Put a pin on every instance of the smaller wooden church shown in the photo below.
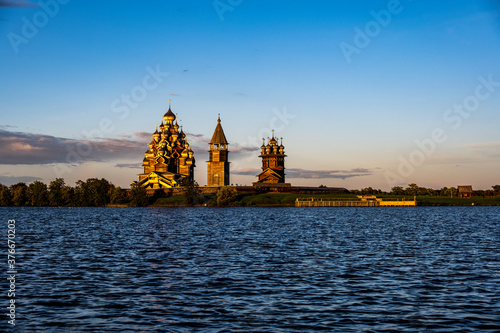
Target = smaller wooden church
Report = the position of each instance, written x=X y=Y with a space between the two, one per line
x=273 y=165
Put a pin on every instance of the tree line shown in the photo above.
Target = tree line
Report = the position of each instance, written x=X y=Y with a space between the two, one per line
x=93 y=192
x=96 y=192
x=415 y=190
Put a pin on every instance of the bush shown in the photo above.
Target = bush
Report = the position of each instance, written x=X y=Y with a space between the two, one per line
x=191 y=192
x=138 y=196
x=226 y=196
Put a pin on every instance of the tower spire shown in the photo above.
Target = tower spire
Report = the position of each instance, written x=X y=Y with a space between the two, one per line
x=219 y=137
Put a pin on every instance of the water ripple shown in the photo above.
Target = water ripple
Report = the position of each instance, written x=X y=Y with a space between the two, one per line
x=257 y=269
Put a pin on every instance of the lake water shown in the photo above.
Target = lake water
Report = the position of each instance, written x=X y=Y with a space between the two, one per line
x=255 y=269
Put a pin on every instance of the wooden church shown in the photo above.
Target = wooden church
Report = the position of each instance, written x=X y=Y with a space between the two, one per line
x=273 y=166
x=169 y=159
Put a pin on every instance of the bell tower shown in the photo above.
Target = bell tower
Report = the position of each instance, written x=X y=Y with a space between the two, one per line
x=218 y=163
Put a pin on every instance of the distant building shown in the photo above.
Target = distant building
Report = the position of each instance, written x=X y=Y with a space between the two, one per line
x=169 y=159
x=218 y=162
x=465 y=191
x=273 y=163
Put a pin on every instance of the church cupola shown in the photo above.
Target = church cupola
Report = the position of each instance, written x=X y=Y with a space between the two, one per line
x=156 y=134
x=169 y=117
x=282 y=148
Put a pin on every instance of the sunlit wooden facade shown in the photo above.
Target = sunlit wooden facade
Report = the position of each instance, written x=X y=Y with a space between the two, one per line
x=169 y=159
x=273 y=162
x=218 y=159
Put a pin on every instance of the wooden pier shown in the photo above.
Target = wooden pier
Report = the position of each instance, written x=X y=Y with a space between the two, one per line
x=361 y=201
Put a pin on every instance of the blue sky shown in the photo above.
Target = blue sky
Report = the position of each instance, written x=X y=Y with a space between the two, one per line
x=347 y=119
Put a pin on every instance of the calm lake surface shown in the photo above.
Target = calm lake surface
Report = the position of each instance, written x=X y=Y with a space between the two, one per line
x=255 y=269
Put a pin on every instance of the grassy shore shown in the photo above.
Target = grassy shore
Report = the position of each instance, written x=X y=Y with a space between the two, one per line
x=288 y=199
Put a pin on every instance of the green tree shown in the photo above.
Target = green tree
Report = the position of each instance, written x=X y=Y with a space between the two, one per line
x=116 y=195
x=138 y=196
x=442 y=192
x=93 y=192
x=19 y=194
x=191 y=191
x=496 y=188
x=69 y=198
x=56 y=192
x=226 y=196
x=422 y=191
x=412 y=189
x=38 y=194
x=367 y=190
x=479 y=193
x=398 y=190
x=5 y=196
x=430 y=191
x=489 y=193
x=451 y=192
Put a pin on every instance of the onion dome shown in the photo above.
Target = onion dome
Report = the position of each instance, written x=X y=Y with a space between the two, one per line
x=156 y=134
x=273 y=141
x=268 y=149
x=169 y=117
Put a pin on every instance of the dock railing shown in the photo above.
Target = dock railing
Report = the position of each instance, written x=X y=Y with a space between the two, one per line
x=340 y=202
